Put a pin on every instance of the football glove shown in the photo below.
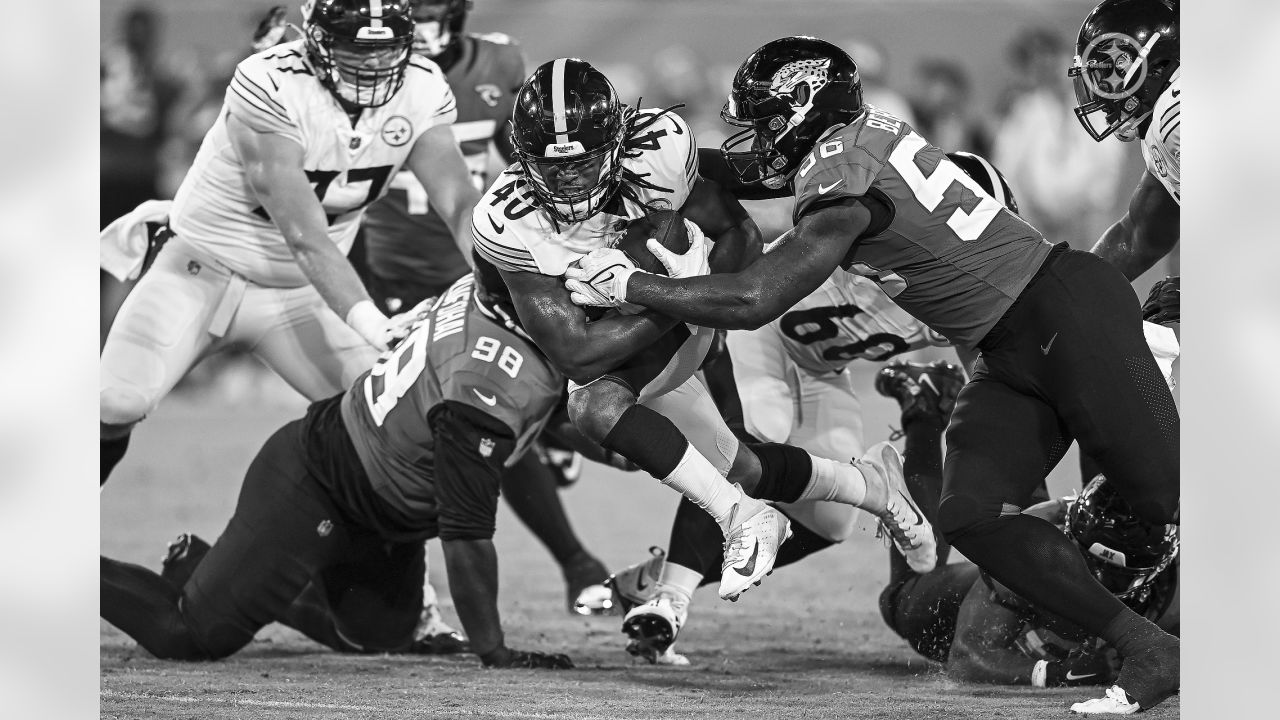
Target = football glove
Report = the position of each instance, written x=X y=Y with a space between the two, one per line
x=271 y=29
x=505 y=657
x=600 y=280
x=365 y=318
x=693 y=262
x=1164 y=304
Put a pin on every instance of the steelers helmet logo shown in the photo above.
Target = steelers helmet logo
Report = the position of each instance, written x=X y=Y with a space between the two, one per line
x=397 y=130
x=1113 y=66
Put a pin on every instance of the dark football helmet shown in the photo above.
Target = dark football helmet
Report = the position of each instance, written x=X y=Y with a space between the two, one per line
x=359 y=48
x=787 y=94
x=567 y=131
x=988 y=176
x=1126 y=55
x=438 y=25
x=1126 y=554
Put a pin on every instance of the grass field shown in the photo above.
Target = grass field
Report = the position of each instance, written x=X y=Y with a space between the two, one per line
x=807 y=643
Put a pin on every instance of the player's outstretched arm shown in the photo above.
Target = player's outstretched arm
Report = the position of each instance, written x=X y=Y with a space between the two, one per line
x=273 y=169
x=805 y=257
x=438 y=164
x=581 y=350
x=1146 y=233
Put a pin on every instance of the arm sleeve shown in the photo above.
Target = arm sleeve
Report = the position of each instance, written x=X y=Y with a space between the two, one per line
x=254 y=96
x=470 y=449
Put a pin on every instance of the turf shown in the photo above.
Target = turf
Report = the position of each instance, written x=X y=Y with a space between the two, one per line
x=807 y=643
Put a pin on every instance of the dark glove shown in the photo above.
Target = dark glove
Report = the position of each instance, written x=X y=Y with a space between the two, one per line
x=505 y=657
x=271 y=29
x=1163 y=305
x=1084 y=665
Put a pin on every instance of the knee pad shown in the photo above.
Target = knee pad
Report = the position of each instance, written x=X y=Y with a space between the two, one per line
x=122 y=406
x=959 y=514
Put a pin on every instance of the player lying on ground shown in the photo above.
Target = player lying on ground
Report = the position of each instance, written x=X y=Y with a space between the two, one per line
x=786 y=382
x=1059 y=331
x=588 y=166
x=327 y=535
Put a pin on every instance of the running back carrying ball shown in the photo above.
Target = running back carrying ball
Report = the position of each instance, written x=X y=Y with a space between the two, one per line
x=665 y=226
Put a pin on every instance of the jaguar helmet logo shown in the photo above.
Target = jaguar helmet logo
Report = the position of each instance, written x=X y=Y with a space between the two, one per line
x=798 y=82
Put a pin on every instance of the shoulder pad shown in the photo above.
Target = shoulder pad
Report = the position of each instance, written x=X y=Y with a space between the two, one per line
x=256 y=94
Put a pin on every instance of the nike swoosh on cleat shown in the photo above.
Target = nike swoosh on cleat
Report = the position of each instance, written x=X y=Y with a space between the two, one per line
x=750 y=567
x=1079 y=677
x=641 y=584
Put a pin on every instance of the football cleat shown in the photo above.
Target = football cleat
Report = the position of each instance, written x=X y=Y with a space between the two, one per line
x=181 y=558
x=921 y=389
x=637 y=584
x=898 y=515
x=585 y=578
x=653 y=626
x=756 y=531
x=1115 y=702
x=434 y=636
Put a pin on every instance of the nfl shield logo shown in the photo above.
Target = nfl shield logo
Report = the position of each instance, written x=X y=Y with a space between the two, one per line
x=486 y=447
x=355 y=143
x=324 y=528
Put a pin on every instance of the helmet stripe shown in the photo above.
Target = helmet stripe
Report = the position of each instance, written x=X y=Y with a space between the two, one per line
x=558 y=113
x=375 y=13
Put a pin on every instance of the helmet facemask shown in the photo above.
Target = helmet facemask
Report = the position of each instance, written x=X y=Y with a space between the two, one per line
x=573 y=184
x=1109 y=76
x=780 y=127
x=366 y=71
x=437 y=26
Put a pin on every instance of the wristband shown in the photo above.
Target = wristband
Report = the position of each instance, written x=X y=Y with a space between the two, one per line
x=365 y=318
x=1039 y=673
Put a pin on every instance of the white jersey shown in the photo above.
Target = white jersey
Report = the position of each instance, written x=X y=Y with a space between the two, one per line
x=276 y=91
x=849 y=318
x=1161 y=146
x=512 y=235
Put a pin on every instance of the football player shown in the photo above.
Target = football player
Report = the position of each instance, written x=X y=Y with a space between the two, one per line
x=327 y=536
x=786 y=382
x=1062 y=351
x=983 y=632
x=587 y=165
x=311 y=132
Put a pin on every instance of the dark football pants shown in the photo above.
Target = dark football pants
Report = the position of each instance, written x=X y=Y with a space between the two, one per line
x=1067 y=361
x=286 y=537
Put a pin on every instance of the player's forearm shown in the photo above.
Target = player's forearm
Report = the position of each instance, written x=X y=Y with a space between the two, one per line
x=1120 y=246
x=595 y=348
x=473 y=582
x=331 y=274
x=729 y=301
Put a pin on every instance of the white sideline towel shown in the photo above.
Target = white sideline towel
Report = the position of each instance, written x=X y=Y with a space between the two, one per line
x=123 y=243
x=1164 y=346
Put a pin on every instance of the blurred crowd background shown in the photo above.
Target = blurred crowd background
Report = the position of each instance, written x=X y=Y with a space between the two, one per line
x=987 y=76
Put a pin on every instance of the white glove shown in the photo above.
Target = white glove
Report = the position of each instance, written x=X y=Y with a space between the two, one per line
x=600 y=279
x=693 y=262
x=365 y=318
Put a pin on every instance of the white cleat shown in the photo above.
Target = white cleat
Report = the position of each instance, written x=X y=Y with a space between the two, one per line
x=1115 y=702
x=653 y=627
x=756 y=531
x=672 y=658
x=434 y=636
x=637 y=584
x=900 y=517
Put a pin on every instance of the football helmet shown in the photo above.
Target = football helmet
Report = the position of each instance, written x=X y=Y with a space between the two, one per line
x=1126 y=55
x=786 y=95
x=437 y=25
x=1126 y=554
x=988 y=176
x=567 y=131
x=359 y=48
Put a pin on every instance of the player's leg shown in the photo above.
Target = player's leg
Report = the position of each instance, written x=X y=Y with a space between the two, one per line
x=531 y=490
x=283 y=531
x=158 y=335
x=922 y=608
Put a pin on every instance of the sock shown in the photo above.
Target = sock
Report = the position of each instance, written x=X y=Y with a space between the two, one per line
x=837 y=481
x=531 y=491
x=922 y=466
x=679 y=579
x=785 y=471
x=647 y=439
x=109 y=454
x=1041 y=564
x=1130 y=633
x=697 y=542
x=697 y=479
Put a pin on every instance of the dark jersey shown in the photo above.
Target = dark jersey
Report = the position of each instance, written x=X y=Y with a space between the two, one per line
x=407 y=241
x=945 y=251
x=453 y=354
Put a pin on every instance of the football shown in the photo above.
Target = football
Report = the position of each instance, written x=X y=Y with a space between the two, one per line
x=666 y=227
